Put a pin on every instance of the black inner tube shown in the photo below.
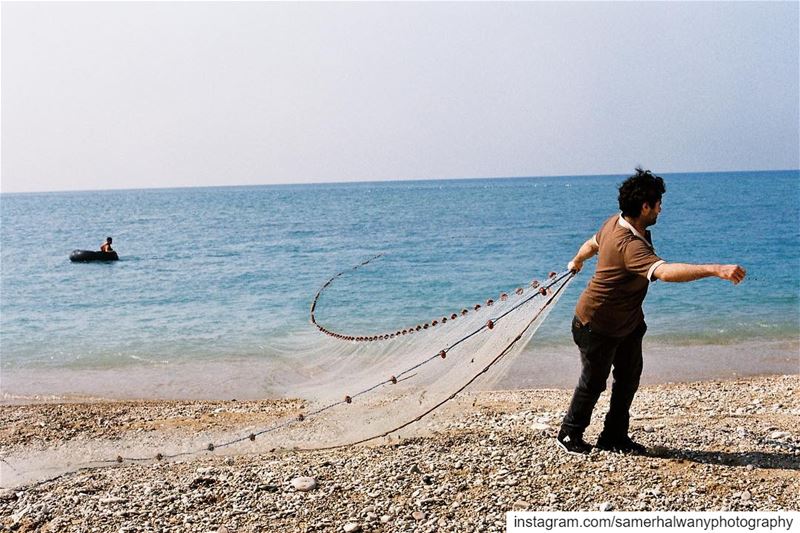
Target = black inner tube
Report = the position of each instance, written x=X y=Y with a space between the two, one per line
x=85 y=256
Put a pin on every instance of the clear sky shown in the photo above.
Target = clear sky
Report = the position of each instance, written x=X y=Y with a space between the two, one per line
x=128 y=95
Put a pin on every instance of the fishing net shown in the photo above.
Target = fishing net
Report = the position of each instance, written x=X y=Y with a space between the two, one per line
x=376 y=384
x=370 y=386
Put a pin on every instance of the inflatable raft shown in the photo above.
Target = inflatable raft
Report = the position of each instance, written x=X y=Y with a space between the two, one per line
x=85 y=256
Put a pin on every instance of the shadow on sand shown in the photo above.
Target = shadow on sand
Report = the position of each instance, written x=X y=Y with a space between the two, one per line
x=772 y=460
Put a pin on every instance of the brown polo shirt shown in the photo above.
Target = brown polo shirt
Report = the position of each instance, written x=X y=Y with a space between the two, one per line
x=612 y=301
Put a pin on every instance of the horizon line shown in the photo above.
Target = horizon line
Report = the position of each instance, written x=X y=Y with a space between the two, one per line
x=367 y=182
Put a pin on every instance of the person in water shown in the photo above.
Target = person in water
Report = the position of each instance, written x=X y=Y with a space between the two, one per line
x=106 y=246
x=609 y=323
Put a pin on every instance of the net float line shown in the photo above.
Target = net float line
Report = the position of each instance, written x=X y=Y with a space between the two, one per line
x=567 y=276
x=401 y=331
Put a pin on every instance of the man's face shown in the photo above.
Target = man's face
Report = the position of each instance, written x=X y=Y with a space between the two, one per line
x=650 y=214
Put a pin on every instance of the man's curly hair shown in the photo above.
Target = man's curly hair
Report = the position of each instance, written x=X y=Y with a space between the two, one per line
x=642 y=187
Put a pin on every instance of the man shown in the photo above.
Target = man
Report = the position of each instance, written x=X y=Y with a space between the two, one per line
x=609 y=323
x=106 y=246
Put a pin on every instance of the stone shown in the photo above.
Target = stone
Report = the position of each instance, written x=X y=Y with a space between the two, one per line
x=351 y=527
x=778 y=435
x=304 y=483
x=386 y=519
x=746 y=496
x=606 y=506
x=520 y=505
x=418 y=516
x=202 y=482
x=17 y=517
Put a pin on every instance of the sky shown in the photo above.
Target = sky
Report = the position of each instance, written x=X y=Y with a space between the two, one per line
x=106 y=95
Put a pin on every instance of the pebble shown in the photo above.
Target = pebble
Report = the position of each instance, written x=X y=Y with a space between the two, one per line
x=304 y=484
x=606 y=506
x=17 y=517
x=418 y=516
x=351 y=527
x=520 y=505
x=777 y=435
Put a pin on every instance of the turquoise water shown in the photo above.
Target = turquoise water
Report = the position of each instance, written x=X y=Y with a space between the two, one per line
x=215 y=274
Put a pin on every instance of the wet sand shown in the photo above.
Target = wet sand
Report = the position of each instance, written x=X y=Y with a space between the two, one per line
x=537 y=367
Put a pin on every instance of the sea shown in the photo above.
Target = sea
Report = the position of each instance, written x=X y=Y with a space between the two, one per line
x=213 y=284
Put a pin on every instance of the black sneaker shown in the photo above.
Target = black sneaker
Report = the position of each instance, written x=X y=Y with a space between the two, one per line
x=621 y=445
x=573 y=443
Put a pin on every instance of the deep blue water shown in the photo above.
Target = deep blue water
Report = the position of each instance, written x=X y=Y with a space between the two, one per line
x=223 y=273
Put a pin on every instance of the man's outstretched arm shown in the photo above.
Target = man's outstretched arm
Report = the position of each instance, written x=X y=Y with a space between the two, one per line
x=681 y=272
x=587 y=250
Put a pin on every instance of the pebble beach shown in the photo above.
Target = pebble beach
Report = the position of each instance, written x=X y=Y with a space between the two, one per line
x=712 y=446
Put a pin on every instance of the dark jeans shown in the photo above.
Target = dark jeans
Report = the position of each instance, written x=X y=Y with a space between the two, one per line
x=598 y=354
